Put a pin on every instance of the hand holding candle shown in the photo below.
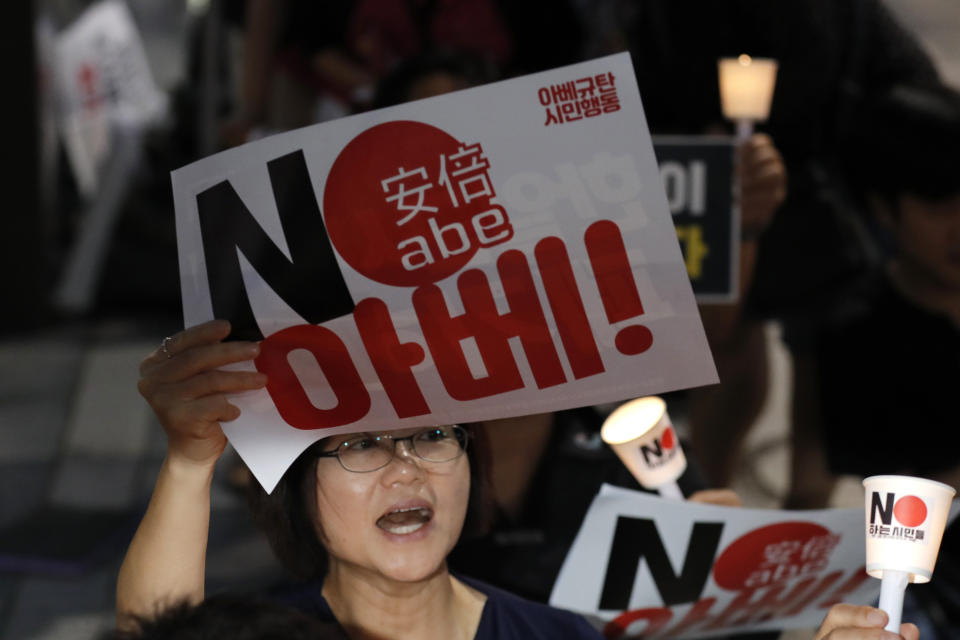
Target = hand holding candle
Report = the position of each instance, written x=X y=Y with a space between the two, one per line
x=746 y=90
x=641 y=434
x=905 y=519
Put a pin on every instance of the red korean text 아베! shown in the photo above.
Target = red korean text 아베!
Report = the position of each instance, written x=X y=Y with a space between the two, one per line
x=445 y=330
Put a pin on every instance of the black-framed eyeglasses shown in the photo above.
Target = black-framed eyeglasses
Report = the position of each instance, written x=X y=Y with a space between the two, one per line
x=367 y=452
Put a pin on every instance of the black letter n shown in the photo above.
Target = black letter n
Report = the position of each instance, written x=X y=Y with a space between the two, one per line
x=886 y=511
x=648 y=451
x=310 y=282
x=637 y=539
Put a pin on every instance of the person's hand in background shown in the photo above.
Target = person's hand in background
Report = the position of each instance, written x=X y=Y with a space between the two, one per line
x=851 y=622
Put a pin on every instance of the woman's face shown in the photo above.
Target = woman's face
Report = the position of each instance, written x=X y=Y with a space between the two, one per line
x=399 y=521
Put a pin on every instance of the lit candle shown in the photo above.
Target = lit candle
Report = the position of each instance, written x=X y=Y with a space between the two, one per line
x=641 y=434
x=746 y=90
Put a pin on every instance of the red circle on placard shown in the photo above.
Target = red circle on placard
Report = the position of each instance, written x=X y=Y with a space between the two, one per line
x=370 y=231
x=668 y=439
x=910 y=511
x=745 y=557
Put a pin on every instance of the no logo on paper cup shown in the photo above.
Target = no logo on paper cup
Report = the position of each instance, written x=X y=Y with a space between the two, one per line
x=905 y=519
x=641 y=434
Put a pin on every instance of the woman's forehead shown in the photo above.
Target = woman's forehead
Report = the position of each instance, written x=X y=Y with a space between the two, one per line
x=395 y=433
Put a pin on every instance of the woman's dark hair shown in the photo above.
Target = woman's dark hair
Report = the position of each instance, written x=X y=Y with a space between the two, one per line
x=226 y=617
x=906 y=141
x=287 y=515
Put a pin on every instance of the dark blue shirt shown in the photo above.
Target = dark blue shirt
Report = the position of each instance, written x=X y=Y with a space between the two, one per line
x=505 y=616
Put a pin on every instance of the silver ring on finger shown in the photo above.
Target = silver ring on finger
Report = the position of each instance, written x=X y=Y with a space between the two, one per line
x=164 y=348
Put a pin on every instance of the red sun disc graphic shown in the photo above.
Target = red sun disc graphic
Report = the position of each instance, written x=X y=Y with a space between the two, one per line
x=407 y=204
x=668 y=440
x=910 y=511
x=746 y=562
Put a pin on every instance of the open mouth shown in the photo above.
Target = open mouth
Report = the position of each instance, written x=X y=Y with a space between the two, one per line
x=405 y=521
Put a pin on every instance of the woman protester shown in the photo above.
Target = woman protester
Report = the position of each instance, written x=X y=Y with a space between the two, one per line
x=370 y=517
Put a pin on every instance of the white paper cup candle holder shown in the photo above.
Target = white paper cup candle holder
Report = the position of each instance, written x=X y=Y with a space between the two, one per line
x=641 y=434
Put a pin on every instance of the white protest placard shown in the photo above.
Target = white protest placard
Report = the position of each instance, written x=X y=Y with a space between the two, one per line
x=499 y=251
x=102 y=78
x=642 y=566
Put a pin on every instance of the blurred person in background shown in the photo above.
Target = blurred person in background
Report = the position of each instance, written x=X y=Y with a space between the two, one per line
x=889 y=363
x=331 y=55
x=807 y=250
